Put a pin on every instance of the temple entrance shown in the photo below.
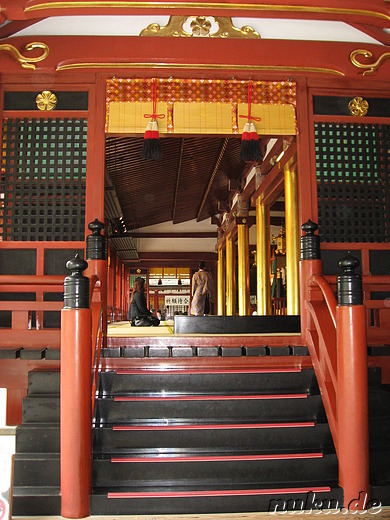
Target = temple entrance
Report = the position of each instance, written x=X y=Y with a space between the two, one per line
x=173 y=210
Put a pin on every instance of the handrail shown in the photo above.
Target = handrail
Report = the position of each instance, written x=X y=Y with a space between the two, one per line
x=20 y=331
x=328 y=294
x=336 y=336
x=97 y=332
x=31 y=279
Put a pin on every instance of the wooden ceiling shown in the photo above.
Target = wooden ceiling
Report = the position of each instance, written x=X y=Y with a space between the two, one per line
x=186 y=184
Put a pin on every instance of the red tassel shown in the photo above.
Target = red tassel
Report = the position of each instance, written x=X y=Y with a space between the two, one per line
x=151 y=148
x=250 y=146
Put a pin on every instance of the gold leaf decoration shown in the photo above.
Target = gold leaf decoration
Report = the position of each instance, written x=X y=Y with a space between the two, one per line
x=25 y=61
x=369 y=68
x=46 y=100
x=200 y=26
x=358 y=106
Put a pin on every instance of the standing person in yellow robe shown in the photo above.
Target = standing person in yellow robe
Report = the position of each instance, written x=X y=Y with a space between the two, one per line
x=201 y=290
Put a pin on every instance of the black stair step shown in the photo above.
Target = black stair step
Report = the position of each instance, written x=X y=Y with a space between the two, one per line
x=374 y=378
x=36 y=501
x=32 y=469
x=379 y=496
x=299 y=407
x=379 y=433
x=38 y=438
x=379 y=405
x=202 y=381
x=380 y=466
x=198 y=500
x=43 y=382
x=38 y=409
x=260 y=436
x=251 y=470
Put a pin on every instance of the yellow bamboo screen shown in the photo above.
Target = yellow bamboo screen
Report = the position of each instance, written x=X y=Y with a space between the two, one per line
x=128 y=117
x=202 y=118
x=274 y=119
x=199 y=105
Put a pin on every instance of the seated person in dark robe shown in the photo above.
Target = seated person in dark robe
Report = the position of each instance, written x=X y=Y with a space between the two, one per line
x=139 y=315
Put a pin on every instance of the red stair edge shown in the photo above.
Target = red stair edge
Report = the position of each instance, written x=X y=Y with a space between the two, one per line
x=216 y=493
x=253 y=426
x=218 y=458
x=135 y=371
x=212 y=397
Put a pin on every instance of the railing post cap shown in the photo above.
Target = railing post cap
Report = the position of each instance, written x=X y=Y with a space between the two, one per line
x=76 y=286
x=96 y=226
x=349 y=284
x=96 y=242
x=310 y=243
x=349 y=263
x=76 y=265
x=309 y=227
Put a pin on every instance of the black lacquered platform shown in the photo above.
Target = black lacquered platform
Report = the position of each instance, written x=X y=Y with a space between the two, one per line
x=236 y=324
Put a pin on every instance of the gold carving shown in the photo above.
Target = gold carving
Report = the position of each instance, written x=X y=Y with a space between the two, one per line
x=358 y=106
x=46 y=100
x=192 y=66
x=26 y=62
x=369 y=68
x=200 y=26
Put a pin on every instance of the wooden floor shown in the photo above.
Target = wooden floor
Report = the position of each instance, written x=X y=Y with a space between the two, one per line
x=384 y=514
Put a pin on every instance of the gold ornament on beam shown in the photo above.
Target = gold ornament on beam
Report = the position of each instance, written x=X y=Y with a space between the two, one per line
x=46 y=100
x=25 y=61
x=358 y=107
x=369 y=68
x=200 y=27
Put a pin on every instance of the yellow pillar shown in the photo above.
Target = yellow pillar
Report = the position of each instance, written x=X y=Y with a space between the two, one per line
x=230 y=277
x=263 y=259
x=292 y=240
x=243 y=269
x=221 y=291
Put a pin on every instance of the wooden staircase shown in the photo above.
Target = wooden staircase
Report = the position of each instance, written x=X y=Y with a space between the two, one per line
x=201 y=435
x=209 y=441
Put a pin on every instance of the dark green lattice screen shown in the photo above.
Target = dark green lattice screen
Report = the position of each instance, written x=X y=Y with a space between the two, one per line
x=352 y=163
x=43 y=174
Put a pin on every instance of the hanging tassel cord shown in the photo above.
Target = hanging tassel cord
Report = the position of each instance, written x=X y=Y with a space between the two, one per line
x=250 y=147
x=249 y=117
x=154 y=116
x=151 y=148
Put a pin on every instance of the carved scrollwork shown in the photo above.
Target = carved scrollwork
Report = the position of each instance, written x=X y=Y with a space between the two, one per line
x=200 y=26
x=369 y=68
x=26 y=61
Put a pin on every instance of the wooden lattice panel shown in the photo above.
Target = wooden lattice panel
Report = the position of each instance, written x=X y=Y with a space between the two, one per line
x=43 y=179
x=353 y=182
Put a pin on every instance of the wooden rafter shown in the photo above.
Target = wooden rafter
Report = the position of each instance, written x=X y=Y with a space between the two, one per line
x=177 y=181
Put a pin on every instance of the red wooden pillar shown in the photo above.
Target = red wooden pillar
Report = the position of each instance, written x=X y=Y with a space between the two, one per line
x=75 y=394
x=352 y=388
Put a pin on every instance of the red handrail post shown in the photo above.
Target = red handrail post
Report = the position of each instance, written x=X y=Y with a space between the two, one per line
x=96 y=252
x=352 y=388
x=309 y=265
x=75 y=394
